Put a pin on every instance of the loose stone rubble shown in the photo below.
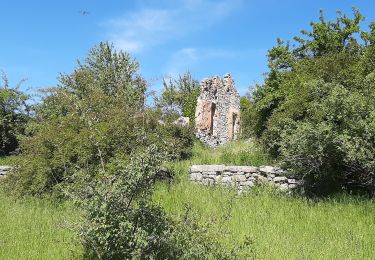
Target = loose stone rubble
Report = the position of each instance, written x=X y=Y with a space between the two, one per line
x=243 y=177
x=182 y=121
x=217 y=115
x=4 y=170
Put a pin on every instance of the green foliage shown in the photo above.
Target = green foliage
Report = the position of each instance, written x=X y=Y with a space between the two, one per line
x=98 y=113
x=190 y=104
x=122 y=223
x=13 y=116
x=118 y=222
x=315 y=109
x=180 y=96
x=248 y=115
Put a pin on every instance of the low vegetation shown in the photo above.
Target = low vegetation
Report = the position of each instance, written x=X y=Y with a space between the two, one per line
x=36 y=229
x=102 y=174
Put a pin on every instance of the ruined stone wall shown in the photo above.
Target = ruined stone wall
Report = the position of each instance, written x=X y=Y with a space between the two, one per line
x=217 y=115
x=242 y=177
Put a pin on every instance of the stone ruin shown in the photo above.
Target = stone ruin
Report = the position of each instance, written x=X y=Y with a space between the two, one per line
x=217 y=116
x=243 y=177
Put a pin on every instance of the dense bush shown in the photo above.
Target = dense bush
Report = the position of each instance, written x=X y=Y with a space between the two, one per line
x=120 y=221
x=315 y=110
x=13 y=116
x=97 y=113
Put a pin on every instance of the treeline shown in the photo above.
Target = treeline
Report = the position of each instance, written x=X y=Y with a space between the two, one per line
x=316 y=110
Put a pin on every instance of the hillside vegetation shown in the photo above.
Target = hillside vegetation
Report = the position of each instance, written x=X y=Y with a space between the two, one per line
x=262 y=224
x=102 y=172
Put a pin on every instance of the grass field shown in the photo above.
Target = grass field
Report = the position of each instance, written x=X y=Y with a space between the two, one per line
x=275 y=226
x=31 y=229
x=8 y=160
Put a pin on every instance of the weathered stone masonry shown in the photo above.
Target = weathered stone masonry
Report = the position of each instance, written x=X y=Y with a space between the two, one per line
x=217 y=115
x=243 y=177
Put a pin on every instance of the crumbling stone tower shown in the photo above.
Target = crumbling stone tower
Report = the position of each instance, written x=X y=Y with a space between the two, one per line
x=217 y=116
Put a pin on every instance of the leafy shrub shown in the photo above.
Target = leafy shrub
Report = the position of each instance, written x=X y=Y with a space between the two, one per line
x=13 y=116
x=121 y=223
x=315 y=110
x=180 y=96
x=97 y=114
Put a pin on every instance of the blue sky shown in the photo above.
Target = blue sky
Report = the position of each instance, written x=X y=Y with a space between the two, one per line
x=40 y=39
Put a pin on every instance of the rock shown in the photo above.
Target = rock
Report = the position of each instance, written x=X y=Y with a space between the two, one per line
x=280 y=179
x=267 y=169
x=284 y=187
x=182 y=121
x=246 y=169
x=196 y=176
x=239 y=178
x=5 y=168
x=207 y=168
x=226 y=179
x=242 y=177
x=271 y=175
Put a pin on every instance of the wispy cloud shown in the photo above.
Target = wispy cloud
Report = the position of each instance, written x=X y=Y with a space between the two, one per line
x=190 y=58
x=147 y=26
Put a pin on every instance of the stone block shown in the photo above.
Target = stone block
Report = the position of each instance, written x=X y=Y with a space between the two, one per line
x=4 y=168
x=284 y=187
x=239 y=178
x=246 y=169
x=267 y=169
x=207 y=168
x=226 y=179
x=280 y=179
x=196 y=176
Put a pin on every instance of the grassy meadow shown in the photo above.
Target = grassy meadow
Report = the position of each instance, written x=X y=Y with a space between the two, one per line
x=34 y=229
x=274 y=226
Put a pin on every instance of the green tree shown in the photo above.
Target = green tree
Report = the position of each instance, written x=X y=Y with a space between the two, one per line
x=315 y=108
x=180 y=96
x=14 y=114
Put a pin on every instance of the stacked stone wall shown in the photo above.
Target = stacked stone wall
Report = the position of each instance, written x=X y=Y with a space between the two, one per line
x=242 y=177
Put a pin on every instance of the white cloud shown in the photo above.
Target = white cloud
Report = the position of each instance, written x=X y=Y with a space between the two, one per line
x=192 y=59
x=147 y=26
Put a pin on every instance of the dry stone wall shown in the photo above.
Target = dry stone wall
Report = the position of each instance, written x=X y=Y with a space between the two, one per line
x=217 y=115
x=242 y=177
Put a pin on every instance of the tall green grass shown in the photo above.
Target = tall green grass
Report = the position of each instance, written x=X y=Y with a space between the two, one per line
x=234 y=153
x=274 y=225
x=33 y=229
x=9 y=160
